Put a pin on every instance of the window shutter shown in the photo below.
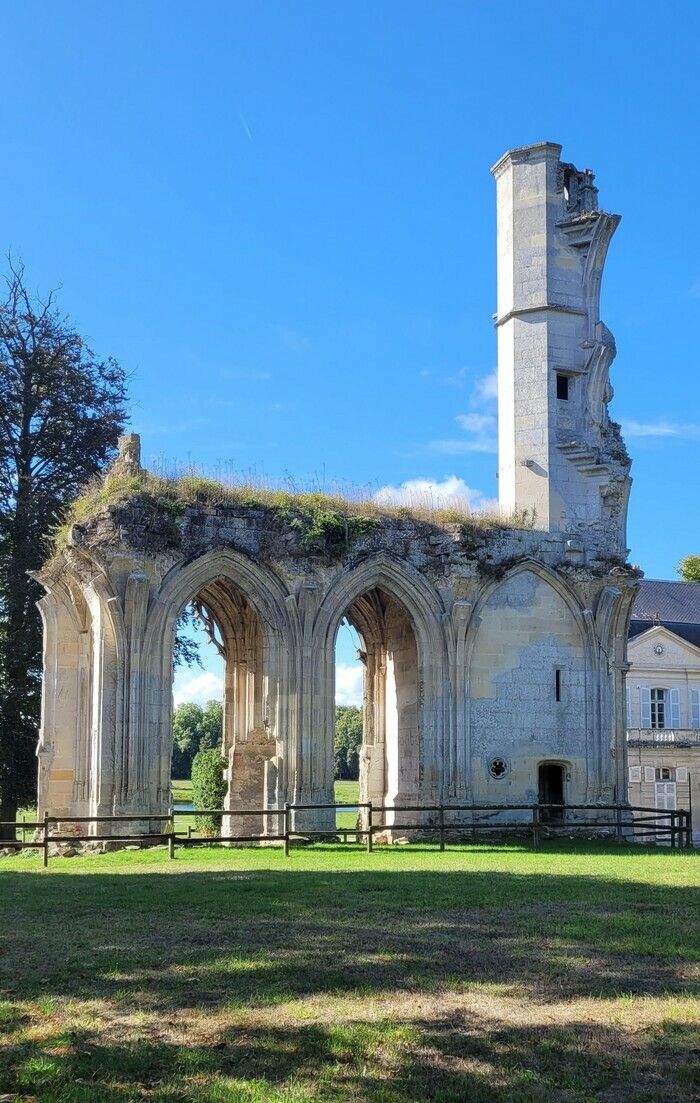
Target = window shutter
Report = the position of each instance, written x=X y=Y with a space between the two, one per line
x=675 y=695
x=644 y=707
x=695 y=708
x=682 y=774
x=666 y=795
x=635 y=774
x=628 y=694
x=649 y=773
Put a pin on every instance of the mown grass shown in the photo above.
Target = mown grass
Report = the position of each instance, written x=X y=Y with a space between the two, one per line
x=487 y=973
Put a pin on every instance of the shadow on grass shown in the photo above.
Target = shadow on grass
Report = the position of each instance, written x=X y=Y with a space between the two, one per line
x=440 y=1060
x=181 y=938
x=230 y=946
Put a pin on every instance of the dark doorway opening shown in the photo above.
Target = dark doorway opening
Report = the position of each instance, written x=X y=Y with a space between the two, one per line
x=551 y=791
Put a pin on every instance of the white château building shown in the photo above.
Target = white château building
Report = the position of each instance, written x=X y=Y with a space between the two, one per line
x=663 y=698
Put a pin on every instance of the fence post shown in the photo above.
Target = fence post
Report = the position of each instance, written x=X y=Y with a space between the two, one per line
x=286 y=829
x=369 y=827
x=171 y=839
x=24 y=830
x=535 y=826
x=46 y=839
x=618 y=823
x=442 y=827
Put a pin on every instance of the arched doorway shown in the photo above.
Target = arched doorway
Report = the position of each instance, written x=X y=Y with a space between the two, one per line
x=245 y=605
x=234 y=629
x=551 y=791
x=390 y=756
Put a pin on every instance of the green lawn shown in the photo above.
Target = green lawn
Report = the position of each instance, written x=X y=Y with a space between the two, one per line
x=182 y=790
x=486 y=974
x=346 y=792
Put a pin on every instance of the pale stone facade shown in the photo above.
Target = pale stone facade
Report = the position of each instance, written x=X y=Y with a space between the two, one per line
x=494 y=657
x=663 y=699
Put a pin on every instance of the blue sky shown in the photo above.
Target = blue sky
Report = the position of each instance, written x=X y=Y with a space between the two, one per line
x=280 y=219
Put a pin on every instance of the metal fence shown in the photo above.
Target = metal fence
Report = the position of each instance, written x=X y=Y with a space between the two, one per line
x=468 y=821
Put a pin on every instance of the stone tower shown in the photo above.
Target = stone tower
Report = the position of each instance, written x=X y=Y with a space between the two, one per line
x=561 y=460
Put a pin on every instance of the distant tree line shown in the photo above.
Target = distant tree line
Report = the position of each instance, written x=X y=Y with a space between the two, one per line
x=348 y=741
x=201 y=729
x=195 y=729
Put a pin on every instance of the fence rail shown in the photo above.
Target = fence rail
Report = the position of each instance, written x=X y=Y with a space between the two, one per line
x=544 y=820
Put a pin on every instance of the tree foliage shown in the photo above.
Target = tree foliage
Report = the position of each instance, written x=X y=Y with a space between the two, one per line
x=689 y=568
x=186 y=651
x=348 y=741
x=208 y=787
x=194 y=729
x=61 y=410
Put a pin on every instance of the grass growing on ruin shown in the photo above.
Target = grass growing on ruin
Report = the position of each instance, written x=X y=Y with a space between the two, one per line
x=483 y=974
x=325 y=520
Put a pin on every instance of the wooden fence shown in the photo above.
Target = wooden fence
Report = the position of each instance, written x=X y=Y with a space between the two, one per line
x=672 y=827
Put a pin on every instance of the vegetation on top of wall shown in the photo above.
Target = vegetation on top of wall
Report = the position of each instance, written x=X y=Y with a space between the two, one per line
x=327 y=524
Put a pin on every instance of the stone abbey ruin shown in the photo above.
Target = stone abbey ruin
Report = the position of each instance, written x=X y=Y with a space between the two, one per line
x=494 y=650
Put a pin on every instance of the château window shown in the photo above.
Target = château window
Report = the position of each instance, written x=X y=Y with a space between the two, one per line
x=557 y=684
x=658 y=708
x=563 y=387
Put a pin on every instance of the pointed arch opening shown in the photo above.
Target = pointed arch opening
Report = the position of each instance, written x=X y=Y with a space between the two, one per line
x=242 y=608
x=390 y=752
x=399 y=618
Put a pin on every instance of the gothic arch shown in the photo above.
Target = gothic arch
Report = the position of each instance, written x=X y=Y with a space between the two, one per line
x=481 y=717
x=276 y=676
x=425 y=612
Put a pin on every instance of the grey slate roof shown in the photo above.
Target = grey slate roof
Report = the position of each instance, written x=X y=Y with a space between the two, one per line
x=676 y=605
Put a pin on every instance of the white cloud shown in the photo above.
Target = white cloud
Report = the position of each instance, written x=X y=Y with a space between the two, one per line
x=348 y=684
x=475 y=423
x=479 y=425
x=198 y=689
x=660 y=429
x=487 y=387
x=452 y=492
x=458 y=447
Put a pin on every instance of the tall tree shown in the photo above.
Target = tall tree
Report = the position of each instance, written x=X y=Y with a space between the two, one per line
x=61 y=410
x=689 y=568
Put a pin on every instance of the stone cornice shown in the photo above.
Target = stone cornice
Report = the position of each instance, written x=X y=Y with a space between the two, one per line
x=540 y=309
x=538 y=151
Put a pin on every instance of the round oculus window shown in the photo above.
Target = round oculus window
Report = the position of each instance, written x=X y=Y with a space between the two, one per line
x=659 y=649
x=498 y=768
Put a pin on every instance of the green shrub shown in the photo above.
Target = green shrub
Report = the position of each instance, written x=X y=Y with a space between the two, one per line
x=208 y=787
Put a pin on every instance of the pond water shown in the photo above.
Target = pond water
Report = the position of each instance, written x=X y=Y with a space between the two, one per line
x=183 y=806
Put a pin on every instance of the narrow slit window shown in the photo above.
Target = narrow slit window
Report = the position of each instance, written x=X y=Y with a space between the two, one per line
x=563 y=387
x=557 y=684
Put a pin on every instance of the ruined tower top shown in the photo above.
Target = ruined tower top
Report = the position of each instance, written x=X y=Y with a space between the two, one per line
x=561 y=460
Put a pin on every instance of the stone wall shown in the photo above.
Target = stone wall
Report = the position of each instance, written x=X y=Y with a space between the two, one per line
x=462 y=638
